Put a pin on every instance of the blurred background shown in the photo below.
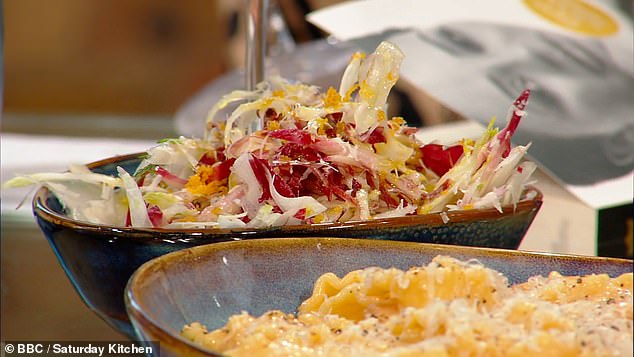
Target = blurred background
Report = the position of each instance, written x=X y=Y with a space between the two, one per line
x=120 y=69
x=141 y=57
x=142 y=60
x=86 y=67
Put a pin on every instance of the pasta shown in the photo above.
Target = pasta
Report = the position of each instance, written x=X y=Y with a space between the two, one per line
x=446 y=308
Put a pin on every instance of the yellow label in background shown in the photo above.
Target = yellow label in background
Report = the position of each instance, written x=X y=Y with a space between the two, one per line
x=575 y=15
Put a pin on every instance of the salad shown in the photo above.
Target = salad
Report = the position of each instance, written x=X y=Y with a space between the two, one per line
x=290 y=154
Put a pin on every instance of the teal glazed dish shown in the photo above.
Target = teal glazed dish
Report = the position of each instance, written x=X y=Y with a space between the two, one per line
x=212 y=282
x=99 y=259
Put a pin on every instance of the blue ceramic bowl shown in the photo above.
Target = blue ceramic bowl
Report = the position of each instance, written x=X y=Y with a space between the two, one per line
x=100 y=259
x=212 y=282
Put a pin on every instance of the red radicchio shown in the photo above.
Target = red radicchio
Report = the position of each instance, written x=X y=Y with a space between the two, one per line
x=260 y=169
x=297 y=136
x=170 y=177
x=156 y=215
x=517 y=111
x=300 y=152
x=376 y=136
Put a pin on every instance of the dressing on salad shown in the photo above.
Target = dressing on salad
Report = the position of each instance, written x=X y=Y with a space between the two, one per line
x=289 y=154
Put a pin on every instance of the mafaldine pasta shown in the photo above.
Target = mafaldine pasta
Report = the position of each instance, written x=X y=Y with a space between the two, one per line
x=446 y=308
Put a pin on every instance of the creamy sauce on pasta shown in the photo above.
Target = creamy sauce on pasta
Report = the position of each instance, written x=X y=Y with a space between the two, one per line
x=447 y=308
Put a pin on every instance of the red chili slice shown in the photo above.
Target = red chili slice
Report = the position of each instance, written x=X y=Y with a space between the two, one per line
x=440 y=159
x=300 y=214
x=211 y=157
x=221 y=170
x=207 y=159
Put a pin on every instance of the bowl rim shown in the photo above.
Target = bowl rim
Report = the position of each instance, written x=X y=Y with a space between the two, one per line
x=42 y=210
x=137 y=313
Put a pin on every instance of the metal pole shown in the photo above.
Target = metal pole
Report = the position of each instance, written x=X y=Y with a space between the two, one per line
x=256 y=25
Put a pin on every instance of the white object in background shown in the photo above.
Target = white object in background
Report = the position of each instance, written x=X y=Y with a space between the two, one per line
x=475 y=56
x=355 y=19
x=26 y=154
